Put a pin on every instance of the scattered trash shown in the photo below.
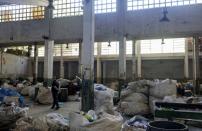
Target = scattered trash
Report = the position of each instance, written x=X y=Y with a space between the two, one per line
x=91 y=116
x=102 y=121
x=8 y=96
x=10 y=114
x=50 y=122
x=137 y=123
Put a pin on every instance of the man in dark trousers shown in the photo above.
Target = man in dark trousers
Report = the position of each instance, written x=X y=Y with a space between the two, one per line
x=55 y=92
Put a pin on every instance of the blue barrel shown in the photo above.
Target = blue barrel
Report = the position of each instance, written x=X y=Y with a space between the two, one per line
x=166 y=126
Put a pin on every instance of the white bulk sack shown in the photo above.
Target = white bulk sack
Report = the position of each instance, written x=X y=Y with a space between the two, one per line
x=141 y=86
x=163 y=88
x=25 y=90
x=133 y=104
x=133 y=108
x=103 y=99
x=44 y=96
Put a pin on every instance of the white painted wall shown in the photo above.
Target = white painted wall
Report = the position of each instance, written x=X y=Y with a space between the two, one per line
x=13 y=66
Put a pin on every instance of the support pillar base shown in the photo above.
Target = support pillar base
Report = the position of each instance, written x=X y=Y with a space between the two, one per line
x=87 y=95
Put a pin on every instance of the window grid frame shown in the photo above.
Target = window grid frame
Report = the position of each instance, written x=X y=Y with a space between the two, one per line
x=178 y=46
x=63 y=8
x=105 y=6
x=10 y=13
x=148 y=4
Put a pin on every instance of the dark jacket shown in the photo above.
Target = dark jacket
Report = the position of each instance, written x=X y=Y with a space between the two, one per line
x=55 y=87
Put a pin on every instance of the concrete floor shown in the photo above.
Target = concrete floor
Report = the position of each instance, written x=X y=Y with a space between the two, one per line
x=39 y=110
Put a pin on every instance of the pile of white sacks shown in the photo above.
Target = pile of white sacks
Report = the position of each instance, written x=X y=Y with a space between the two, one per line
x=139 y=96
x=44 y=95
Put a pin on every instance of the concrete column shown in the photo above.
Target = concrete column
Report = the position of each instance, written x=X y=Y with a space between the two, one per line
x=139 y=60
x=134 y=66
x=104 y=72
x=121 y=11
x=35 y=70
x=61 y=62
x=48 y=62
x=79 y=67
x=99 y=72
x=87 y=56
x=196 y=66
x=122 y=64
x=122 y=59
x=186 y=60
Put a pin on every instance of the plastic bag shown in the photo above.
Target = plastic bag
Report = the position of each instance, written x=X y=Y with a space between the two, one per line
x=103 y=99
x=163 y=88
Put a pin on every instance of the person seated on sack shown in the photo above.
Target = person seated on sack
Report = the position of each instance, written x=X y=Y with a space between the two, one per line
x=55 y=93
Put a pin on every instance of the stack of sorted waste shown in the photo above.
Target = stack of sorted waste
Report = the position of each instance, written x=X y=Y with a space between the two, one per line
x=134 y=99
x=63 y=82
x=95 y=122
x=10 y=114
x=22 y=85
x=49 y=122
x=25 y=90
x=6 y=85
x=160 y=89
x=9 y=96
x=139 y=97
x=72 y=86
x=103 y=99
x=39 y=93
x=137 y=123
x=44 y=96
x=32 y=90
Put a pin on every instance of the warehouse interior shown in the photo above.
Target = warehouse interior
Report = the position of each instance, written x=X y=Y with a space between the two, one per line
x=121 y=65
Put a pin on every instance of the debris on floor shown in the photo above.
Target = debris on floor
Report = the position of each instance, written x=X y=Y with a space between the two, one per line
x=137 y=123
x=8 y=96
x=10 y=114
x=49 y=122
x=92 y=122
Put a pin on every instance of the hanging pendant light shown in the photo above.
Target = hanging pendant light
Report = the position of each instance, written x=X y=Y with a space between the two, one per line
x=109 y=43
x=162 y=41
x=67 y=45
x=164 y=18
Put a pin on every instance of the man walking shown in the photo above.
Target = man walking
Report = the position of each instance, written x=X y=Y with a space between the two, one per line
x=55 y=92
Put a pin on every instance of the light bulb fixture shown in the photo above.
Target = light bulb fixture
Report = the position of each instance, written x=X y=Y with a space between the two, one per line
x=109 y=43
x=162 y=41
x=165 y=18
x=67 y=45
